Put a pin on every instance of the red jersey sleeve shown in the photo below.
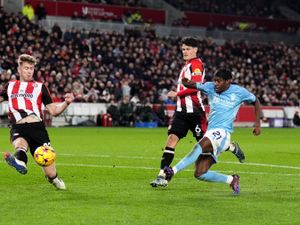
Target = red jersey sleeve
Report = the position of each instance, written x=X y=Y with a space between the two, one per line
x=197 y=71
x=197 y=75
x=186 y=92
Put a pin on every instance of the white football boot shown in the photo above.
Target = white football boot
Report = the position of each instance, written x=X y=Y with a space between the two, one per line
x=58 y=183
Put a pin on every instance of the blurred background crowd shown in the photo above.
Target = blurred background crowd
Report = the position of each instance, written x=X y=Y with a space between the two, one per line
x=132 y=71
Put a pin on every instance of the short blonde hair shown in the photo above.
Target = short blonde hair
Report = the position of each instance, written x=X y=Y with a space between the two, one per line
x=26 y=58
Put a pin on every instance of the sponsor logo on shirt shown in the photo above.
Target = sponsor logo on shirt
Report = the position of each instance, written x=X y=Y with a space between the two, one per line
x=20 y=95
x=222 y=101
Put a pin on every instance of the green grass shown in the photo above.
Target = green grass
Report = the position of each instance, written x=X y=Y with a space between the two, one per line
x=108 y=171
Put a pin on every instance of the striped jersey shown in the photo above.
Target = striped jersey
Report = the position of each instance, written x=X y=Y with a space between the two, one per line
x=25 y=98
x=189 y=100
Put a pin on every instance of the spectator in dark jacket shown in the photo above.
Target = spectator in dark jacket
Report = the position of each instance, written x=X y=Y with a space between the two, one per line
x=41 y=12
x=114 y=112
x=296 y=119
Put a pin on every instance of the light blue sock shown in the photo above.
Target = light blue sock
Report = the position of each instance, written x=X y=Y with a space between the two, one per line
x=188 y=159
x=211 y=176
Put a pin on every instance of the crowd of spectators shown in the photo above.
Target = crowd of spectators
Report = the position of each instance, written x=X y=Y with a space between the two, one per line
x=112 y=68
x=183 y=22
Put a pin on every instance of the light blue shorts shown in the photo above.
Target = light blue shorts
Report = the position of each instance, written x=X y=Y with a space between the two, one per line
x=220 y=140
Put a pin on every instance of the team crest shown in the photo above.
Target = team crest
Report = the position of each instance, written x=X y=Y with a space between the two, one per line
x=197 y=71
x=232 y=97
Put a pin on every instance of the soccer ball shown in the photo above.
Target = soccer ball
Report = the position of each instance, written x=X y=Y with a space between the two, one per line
x=44 y=155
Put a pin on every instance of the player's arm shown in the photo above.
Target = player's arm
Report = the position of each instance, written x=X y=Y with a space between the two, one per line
x=256 y=129
x=186 y=92
x=206 y=88
x=56 y=108
x=181 y=93
x=189 y=83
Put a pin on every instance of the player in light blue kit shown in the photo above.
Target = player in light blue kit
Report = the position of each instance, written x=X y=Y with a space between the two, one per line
x=224 y=100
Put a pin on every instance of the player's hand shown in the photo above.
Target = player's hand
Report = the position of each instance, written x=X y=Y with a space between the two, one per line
x=172 y=94
x=256 y=131
x=69 y=98
x=188 y=83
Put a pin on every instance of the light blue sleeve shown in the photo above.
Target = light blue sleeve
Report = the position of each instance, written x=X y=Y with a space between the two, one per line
x=247 y=96
x=206 y=88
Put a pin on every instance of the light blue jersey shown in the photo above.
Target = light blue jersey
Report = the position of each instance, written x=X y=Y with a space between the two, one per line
x=224 y=106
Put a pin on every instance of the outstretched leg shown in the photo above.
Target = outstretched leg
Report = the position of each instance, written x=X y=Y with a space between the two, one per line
x=51 y=175
x=188 y=159
x=237 y=151
x=203 y=164
x=19 y=159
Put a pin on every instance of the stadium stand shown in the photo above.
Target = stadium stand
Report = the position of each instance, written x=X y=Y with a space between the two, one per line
x=136 y=3
x=103 y=67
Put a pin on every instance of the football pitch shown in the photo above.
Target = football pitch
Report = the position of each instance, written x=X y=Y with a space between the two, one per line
x=108 y=170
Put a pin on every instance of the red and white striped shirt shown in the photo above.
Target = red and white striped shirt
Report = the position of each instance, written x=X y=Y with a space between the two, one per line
x=25 y=98
x=189 y=100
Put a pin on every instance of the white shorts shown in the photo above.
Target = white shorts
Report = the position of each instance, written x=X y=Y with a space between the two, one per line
x=220 y=140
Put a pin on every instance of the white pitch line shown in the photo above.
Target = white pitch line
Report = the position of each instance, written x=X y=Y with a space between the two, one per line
x=155 y=158
x=107 y=156
x=265 y=165
x=153 y=168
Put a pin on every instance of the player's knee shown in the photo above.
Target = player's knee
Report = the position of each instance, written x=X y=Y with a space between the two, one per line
x=174 y=137
x=198 y=174
x=172 y=140
x=202 y=177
